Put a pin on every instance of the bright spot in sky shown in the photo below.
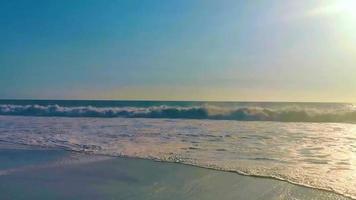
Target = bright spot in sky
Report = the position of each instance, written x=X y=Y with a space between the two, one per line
x=341 y=14
x=346 y=8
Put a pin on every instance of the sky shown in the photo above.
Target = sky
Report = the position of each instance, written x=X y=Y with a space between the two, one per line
x=238 y=50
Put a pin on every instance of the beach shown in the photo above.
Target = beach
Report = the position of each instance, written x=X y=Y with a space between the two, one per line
x=38 y=173
x=177 y=150
x=177 y=100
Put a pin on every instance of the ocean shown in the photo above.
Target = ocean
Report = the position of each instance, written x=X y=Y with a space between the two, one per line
x=309 y=144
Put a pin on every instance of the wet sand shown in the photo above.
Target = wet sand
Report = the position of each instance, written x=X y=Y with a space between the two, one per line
x=33 y=173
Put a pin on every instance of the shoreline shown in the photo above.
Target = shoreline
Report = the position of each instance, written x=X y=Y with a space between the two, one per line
x=61 y=167
x=238 y=173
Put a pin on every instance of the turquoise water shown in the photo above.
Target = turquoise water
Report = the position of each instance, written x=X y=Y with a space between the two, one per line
x=241 y=111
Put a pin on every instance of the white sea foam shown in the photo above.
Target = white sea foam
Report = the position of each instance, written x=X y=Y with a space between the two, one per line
x=342 y=113
x=321 y=155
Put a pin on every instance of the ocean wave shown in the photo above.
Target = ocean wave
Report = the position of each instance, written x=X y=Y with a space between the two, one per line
x=317 y=155
x=289 y=114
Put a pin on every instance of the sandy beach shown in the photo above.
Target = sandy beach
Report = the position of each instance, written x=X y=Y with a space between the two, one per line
x=35 y=173
x=177 y=100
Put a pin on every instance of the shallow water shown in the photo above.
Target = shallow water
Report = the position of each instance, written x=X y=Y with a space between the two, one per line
x=69 y=176
x=321 y=155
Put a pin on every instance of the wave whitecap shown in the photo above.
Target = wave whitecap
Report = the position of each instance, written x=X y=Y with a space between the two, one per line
x=292 y=114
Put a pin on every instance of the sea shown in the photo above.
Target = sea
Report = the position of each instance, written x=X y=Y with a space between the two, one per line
x=309 y=144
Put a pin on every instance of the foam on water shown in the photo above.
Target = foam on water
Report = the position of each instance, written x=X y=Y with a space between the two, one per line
x=345 y=113
x=320 y=155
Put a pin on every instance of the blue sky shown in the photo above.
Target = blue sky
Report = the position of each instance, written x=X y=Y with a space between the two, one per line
x=263 y=50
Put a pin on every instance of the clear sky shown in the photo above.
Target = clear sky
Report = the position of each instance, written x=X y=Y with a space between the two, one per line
x=262 y=50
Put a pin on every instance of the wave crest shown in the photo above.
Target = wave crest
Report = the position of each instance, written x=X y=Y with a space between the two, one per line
x=194 y=112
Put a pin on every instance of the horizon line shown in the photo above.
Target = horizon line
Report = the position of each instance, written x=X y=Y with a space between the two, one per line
x=162 y=100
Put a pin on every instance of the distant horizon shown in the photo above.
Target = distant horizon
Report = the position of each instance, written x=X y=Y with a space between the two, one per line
x=158 y=100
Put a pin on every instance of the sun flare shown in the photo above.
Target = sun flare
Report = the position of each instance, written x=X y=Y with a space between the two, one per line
x=344 y=8
x=347 y=7
x=340 y=15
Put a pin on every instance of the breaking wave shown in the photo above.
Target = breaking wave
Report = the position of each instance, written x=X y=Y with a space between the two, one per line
x=287 y=114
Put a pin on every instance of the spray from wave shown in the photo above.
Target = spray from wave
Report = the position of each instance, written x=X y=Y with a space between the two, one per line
x=286 y=114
